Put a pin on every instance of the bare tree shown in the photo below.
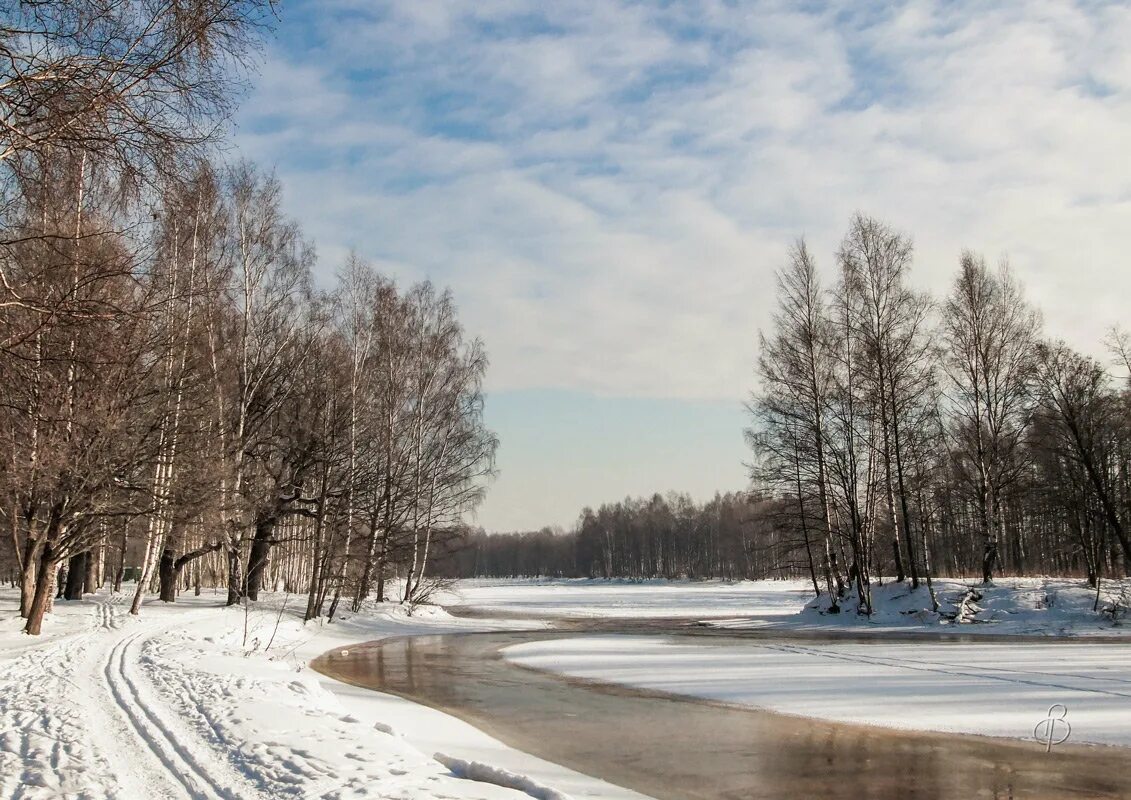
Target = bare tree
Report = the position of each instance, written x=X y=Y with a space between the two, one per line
x=1092 y=428
x=990 y=334
x=796 y=371
x=128 y=81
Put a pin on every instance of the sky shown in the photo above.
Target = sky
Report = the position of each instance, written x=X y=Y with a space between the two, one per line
x=607 y=187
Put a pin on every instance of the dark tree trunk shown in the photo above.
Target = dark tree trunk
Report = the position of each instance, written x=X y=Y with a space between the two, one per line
x=260 y=554
x=901 y=486
x=120 y=572
x=900 y=575
x=381 y=565
x=313 y=597
x=167 y=575
x=809 y=546
x=314 y=590
x=44 y=578
x=381 y=580
x=28 y=573
x=170 y=568
x=76 y=576
x=989 y=560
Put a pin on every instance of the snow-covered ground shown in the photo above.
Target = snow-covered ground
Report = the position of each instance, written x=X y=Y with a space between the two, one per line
x=182 y=702
x=1001 y=689
x=1012 y=606
x=584 y=598
x=175 y=704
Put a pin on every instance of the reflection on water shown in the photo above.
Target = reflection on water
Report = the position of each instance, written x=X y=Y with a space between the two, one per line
x=672 y=748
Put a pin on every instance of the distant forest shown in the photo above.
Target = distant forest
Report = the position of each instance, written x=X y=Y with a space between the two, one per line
x=892 y=434
x=668 y=537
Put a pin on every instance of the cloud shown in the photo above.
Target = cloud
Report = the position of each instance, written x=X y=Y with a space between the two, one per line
x=607 y=186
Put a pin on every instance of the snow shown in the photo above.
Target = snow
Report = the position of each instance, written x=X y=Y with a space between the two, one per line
x=1011 y=606
x=990 y=689
x=194 y=700
x=473 y=770
x=589 y=598
x=993 y=689
x=174 y=704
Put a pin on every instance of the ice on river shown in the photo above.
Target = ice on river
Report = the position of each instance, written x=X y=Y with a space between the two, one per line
x=999 y=689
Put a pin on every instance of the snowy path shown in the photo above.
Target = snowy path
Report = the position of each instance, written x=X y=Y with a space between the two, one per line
x=83 y=719
x=50 y=703
x=172 y=761
x=190 y=701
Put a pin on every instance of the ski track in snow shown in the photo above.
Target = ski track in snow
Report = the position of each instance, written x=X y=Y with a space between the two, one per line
x=198 y=776
x=44 y=747
x=137 y=773
x=178 y=704
x=89 y=681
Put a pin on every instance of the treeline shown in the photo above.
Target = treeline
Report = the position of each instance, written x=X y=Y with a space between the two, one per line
x=912 y=436
x=732 y=536
x=176 y=394
x=894 y=435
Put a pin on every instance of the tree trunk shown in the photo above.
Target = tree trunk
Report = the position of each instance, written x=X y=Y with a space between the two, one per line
x=44 y=587
x=167 y=575
x=381 y=568
x=76 y=576
x=334 y=604
x=154 y=533
x=808 y=544
x=120 y=571
x=92 y=578
x=28 y=573
x=260 y=554
x=235 y=577
x=901 y=486
x=897 y=556
x=367 y=568
x=989 y=555
x=170 y=569
x=314 y=594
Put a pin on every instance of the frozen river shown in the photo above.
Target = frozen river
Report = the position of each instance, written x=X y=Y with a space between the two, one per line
x=672 y=747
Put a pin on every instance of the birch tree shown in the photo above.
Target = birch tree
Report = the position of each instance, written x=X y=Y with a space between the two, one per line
x=795 y=367
x=990 y=334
